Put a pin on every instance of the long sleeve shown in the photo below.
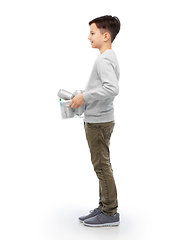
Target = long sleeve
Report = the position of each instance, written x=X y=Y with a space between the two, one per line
x=109 y=82
x=101 y=88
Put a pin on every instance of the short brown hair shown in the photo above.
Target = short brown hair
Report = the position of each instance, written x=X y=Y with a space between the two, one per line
x=107 y=23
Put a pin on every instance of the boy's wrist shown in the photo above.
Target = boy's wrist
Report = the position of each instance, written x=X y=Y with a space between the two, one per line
x=85 y=96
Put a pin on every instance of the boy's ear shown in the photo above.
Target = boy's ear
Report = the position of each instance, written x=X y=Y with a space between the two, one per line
x=106 y=36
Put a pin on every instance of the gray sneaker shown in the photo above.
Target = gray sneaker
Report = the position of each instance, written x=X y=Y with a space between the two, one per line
x=93 y=213
x=102 y=220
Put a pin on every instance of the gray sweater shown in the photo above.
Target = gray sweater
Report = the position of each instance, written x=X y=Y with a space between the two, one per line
x=102 y=88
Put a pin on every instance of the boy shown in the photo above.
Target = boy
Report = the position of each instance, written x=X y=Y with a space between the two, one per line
x=98 y=97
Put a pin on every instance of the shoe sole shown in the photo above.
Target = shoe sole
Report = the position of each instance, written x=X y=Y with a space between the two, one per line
x=102 y=225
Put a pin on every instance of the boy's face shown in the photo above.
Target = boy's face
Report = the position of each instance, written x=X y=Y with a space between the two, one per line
x=96 y=37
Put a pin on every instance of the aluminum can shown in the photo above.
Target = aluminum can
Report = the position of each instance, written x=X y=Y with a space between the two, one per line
x=78 y=92
x=79 y=111
x=65 y=94
x=66 y=111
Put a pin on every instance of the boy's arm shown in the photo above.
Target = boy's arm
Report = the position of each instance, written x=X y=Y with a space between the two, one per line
x=109 y=88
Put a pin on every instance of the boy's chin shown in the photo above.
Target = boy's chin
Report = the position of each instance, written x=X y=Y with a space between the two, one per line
x=93 y=46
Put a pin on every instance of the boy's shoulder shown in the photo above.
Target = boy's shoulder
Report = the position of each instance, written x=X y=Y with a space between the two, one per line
x=108 y=56
x=106 y=60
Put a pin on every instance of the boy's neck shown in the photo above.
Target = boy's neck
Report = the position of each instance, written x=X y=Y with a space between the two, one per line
x=102 y=50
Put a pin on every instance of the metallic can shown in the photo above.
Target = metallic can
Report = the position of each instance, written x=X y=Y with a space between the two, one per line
x=79 y=111
x=65 y=94
x=66 y=111
x=78 y=92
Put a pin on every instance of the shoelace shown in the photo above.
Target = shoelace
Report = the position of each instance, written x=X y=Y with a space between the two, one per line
x=93 y=210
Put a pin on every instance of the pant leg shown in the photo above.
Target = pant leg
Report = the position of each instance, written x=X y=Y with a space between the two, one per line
x=98 y=138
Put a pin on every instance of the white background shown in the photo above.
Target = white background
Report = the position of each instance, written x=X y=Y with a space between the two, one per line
x=46 y=177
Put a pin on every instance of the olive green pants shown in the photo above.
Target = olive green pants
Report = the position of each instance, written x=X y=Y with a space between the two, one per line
x=98 y=138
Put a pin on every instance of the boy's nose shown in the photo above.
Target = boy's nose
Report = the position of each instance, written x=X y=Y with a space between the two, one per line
x=89 y=37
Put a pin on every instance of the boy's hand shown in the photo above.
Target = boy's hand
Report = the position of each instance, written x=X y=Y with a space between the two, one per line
x=77 y=101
